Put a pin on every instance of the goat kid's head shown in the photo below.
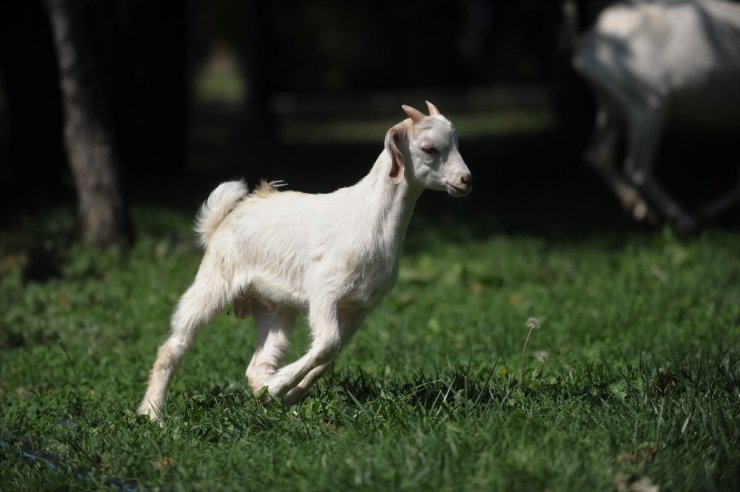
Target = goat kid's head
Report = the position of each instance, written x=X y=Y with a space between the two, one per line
x=424 y=152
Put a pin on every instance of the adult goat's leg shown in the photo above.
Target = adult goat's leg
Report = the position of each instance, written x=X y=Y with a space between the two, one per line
x=273 y=339
x=601 y=154
x=668 y=206
x=326 y=344
x=711 y=210
x=645 y=128
x=206 y=297
x=348 y=325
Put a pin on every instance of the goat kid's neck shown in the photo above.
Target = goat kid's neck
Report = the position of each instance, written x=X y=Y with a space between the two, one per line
x=388 y=207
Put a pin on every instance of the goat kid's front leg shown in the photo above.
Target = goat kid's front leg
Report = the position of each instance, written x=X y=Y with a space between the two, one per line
x=349 y=322
x=326 y=344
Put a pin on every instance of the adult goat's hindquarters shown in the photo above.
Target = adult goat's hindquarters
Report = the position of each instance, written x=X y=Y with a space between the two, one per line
x=272 y=254
x=656 y=66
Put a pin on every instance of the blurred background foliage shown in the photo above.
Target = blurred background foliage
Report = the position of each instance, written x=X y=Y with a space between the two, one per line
x=200 y=92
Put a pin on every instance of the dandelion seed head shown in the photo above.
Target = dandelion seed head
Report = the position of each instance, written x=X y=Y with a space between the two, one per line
x=542 y=356
x=533 y=323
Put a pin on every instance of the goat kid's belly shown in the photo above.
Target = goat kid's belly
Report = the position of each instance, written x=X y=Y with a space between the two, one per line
x=269 y=289
x=359 y=289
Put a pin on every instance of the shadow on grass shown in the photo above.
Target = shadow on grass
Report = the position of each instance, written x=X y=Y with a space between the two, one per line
x=592 y=384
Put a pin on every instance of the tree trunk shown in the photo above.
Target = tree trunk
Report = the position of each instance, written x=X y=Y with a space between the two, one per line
x=88 y=131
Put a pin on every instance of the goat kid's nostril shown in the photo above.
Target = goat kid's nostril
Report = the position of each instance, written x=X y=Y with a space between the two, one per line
x=467 y=179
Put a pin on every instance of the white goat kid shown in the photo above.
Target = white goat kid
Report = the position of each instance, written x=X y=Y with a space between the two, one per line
x=336 y=255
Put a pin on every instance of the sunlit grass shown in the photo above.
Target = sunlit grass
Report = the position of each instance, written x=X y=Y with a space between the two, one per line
x=641 y=375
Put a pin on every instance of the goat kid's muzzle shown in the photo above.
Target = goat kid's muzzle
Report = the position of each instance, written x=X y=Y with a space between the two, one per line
x=460 y=185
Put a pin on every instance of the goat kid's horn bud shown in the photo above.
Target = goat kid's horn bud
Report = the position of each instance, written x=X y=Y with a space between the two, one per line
x=432 y=109
x=413 y=113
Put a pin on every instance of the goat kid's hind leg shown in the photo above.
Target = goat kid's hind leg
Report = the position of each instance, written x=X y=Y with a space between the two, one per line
x=326 y=344
x=204 y=299
x=273 y=339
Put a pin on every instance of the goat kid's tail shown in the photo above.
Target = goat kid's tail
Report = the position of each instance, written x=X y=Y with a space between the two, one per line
x=219 y=204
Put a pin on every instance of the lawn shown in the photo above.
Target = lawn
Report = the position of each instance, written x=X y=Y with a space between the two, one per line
x=634 y=372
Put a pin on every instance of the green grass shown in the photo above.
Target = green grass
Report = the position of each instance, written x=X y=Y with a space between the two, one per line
x=641 y=331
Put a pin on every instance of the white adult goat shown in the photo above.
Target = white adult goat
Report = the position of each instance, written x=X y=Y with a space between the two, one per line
x=274 y=253
x=656 y=64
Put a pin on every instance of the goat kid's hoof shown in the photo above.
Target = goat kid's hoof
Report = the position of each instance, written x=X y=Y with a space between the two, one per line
x=266 y=397
x=293 y=397
x=151 y=414
x=263 y=396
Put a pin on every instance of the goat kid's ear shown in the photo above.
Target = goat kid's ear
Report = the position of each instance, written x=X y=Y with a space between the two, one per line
x=413 y=113
x=393 y=139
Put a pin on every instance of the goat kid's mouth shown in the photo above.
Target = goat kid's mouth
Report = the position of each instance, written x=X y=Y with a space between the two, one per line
x=458 y=190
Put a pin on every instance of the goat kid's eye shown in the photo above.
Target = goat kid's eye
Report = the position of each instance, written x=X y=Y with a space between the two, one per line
x=429 y=150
